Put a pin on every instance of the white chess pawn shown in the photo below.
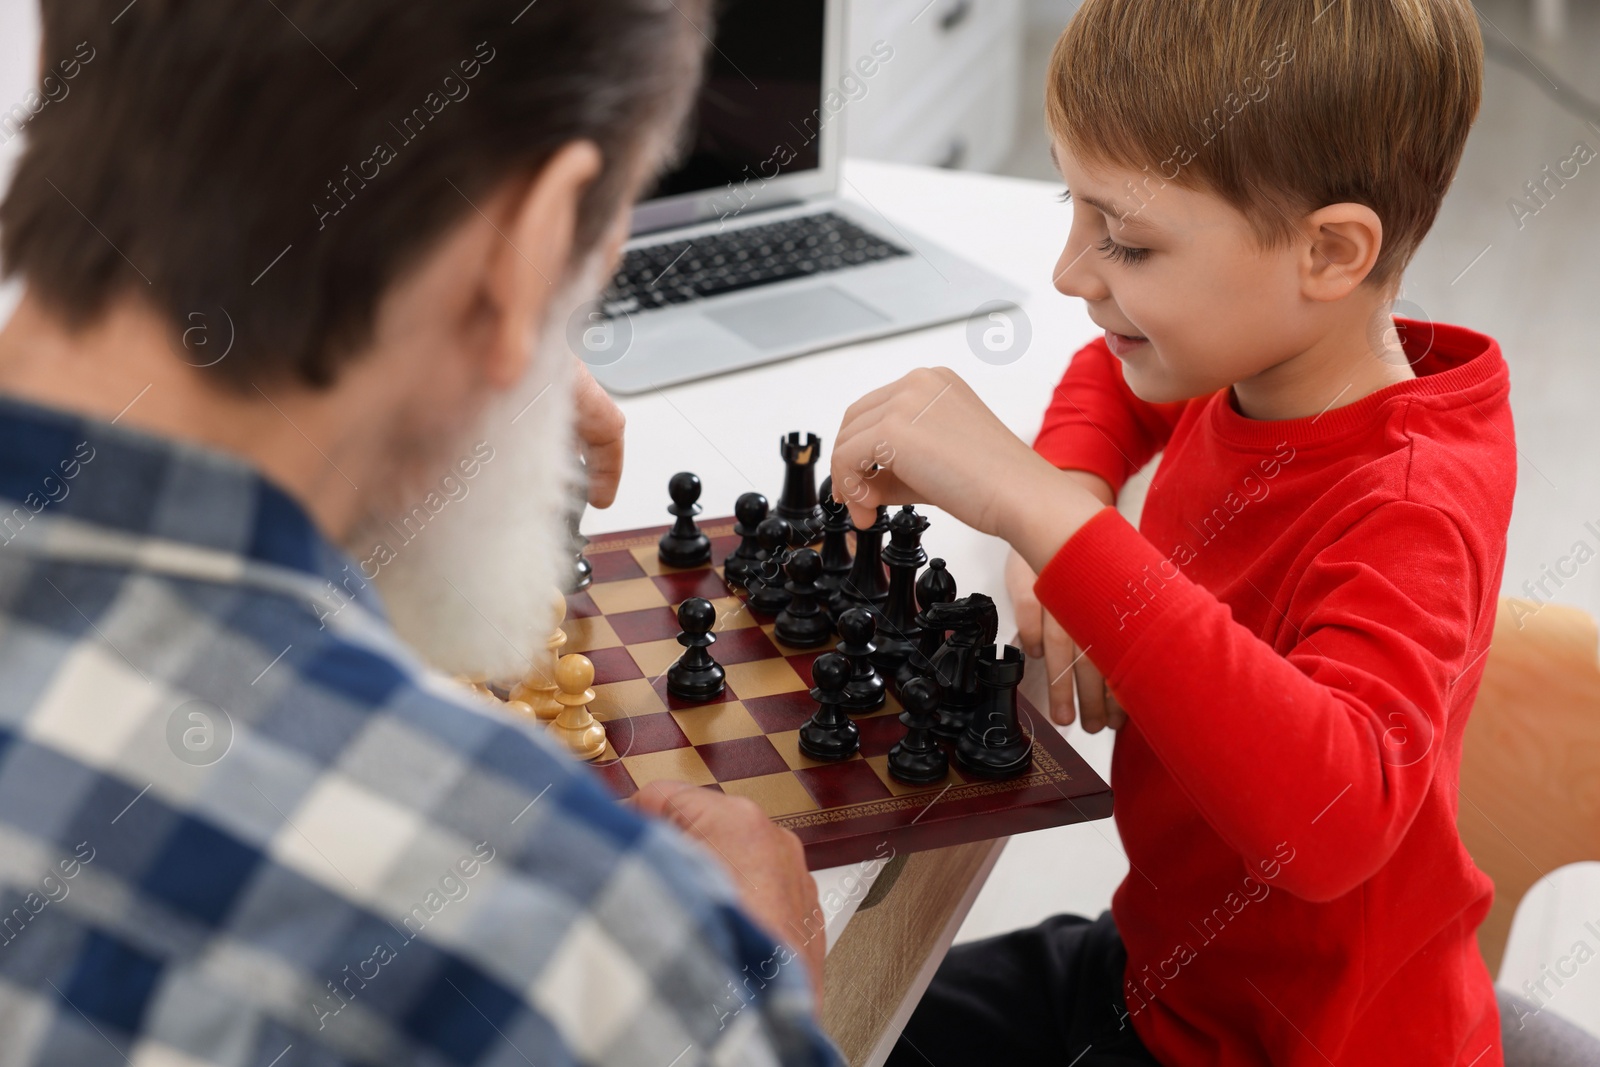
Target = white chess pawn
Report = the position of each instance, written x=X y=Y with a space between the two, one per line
x=538 y=689
x=575 y=727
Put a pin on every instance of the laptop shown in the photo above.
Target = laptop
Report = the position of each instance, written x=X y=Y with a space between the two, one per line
x=747 y=253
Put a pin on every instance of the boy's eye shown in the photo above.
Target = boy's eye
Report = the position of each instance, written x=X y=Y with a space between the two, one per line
x=1066 y=196
x=1122 y=253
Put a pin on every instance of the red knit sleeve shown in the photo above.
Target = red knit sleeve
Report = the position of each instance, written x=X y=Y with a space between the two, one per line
x=1333 y=743
x=1095 y=423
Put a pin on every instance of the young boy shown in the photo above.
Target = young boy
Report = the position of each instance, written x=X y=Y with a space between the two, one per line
x=1296 y=632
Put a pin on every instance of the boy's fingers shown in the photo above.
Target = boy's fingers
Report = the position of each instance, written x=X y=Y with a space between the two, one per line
x=1116 y=718
x=1059 y=653
x=1030 y=630
x=1091 y=695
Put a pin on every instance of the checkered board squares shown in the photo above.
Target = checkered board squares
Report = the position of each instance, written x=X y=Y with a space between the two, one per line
x=747 y=741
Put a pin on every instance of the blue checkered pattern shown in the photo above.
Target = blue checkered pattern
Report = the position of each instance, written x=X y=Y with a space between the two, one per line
x=236 y=829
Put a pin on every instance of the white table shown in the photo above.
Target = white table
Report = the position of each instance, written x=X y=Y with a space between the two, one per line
x=726 y=429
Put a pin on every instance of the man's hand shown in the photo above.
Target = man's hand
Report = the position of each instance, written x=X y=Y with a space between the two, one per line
x=599 y=425
x=1066 y=667
x=766 y=862
x=927 y=438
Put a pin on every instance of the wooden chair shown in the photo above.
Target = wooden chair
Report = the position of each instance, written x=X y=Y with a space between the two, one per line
x=1530 y=767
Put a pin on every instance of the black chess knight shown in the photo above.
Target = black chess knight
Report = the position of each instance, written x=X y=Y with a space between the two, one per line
x=994 y=744
x=684 y=545
x=798 y=502
x=972 y=623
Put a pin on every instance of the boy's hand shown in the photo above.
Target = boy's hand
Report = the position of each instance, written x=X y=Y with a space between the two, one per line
x=765 y=861
x=927 y=438
x=1066 y=668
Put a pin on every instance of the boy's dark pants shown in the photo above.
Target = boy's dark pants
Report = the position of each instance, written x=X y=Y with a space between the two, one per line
x=1048 y=995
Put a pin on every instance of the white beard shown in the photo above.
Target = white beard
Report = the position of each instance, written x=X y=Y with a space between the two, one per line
x=474 y=592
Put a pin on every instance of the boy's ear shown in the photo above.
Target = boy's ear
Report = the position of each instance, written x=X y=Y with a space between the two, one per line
x=1345 y=242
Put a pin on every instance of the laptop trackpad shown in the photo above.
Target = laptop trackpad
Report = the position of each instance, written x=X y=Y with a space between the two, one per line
x=787 y=319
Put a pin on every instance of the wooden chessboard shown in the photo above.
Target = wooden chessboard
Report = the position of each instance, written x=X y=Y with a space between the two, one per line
x=747 y=740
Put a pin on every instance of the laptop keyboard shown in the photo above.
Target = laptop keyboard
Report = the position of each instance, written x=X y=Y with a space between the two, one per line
x=679 y=271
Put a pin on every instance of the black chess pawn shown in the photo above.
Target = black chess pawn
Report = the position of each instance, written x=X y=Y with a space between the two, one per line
x=897 y=629
x=798 y=502
x=994 y=744
x=767 y=583
x=867 y=584
x=836 y=558
x=829 y=734
x=684 y=545
x=866 y=691
x=749 y=511
x=582 y=570
x=696 y=676
x=917 y=757
x=936 y=586
x=802 y=623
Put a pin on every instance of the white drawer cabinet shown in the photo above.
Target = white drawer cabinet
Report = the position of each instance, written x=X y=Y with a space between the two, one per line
x=948 y=96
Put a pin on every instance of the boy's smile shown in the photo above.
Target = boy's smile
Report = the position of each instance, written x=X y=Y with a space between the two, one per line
x=1192 y=300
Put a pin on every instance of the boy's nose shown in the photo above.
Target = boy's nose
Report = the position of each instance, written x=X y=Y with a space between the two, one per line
x=1077 y=273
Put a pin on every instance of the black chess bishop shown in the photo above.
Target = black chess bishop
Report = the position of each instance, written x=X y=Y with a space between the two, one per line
x=936 y=586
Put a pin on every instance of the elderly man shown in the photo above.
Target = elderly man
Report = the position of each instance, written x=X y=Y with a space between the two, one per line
x=286 y=424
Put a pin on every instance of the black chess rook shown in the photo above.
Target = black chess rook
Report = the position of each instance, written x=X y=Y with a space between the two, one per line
x=696 y=676
x=994 y=744
x=798 y=502
x=684 y=545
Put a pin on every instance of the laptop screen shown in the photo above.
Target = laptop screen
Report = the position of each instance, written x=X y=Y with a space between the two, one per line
x=759 y=111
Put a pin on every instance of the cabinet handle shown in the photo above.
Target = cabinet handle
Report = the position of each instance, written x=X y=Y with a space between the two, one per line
x=956 y=15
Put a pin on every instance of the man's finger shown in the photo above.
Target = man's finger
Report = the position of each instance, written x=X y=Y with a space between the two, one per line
x=600 y=426
x=659 y=798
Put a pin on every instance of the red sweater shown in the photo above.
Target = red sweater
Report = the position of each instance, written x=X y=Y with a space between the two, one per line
x=1297 y=631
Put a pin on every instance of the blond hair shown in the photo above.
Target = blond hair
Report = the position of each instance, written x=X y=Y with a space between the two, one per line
x=1278 y=106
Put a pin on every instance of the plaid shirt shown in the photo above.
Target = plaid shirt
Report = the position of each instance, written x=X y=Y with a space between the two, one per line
x=240 y=827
